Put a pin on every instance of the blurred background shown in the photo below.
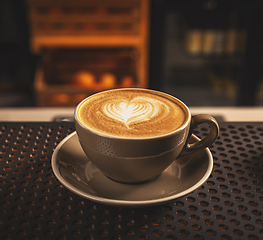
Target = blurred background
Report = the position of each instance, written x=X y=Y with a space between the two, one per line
x=57 y=52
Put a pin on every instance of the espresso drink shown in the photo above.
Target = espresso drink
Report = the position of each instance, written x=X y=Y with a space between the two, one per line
x=132 y=113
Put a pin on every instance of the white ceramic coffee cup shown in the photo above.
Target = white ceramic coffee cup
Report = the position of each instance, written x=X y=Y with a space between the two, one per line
x=136 y=160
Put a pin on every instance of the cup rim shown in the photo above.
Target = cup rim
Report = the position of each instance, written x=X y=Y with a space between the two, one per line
x=183 y=126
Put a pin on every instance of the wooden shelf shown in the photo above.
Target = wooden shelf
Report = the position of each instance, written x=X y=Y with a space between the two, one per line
x=84 y=41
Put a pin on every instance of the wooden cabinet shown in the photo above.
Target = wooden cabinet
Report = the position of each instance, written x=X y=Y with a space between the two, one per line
x=114 y=27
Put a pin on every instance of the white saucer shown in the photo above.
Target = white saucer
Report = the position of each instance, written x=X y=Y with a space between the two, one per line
x=75 y=171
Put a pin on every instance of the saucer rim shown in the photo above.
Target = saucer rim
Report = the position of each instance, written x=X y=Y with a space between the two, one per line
x=126 y=203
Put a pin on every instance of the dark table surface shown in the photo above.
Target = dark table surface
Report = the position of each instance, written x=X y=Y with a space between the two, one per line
x=34 y=205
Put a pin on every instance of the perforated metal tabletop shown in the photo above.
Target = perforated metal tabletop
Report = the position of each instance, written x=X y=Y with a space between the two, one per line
x=34 y=205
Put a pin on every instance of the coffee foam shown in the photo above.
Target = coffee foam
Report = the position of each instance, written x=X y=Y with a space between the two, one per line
x=132 y=113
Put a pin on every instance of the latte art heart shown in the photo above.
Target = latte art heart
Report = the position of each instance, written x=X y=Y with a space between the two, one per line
x=137 y=110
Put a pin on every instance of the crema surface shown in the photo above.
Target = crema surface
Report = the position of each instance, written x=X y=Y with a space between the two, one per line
x=132 y=113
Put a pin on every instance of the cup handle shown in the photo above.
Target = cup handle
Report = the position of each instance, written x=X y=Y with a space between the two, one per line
x=207 y=140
